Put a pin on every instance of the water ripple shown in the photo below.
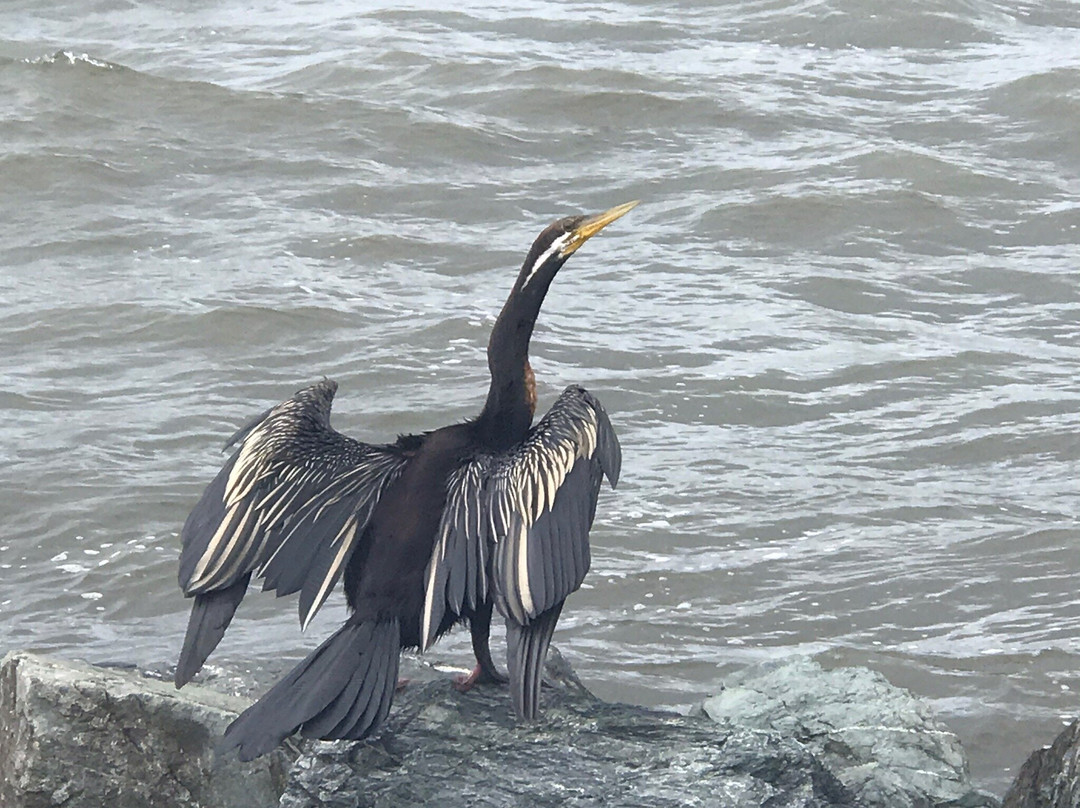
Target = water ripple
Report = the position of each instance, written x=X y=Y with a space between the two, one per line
x=839 y=339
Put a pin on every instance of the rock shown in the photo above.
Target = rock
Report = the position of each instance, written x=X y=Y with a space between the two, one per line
x=1050 y=777
x=74 y=735
x=441 y=747
x=784 y=735
x=885 y=745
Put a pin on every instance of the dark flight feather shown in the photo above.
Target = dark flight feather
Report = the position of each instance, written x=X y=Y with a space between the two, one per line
x=289 y=506
x=532 y=507
x=330 y=694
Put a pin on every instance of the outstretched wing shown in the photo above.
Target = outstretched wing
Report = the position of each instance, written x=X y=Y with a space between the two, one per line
x=529 y=510
x=288 y=506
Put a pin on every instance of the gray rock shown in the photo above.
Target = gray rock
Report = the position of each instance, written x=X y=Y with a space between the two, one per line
x=791 y=734
x=76 y=735
x=1050 y=777
x=880 y=741
x=444 y=748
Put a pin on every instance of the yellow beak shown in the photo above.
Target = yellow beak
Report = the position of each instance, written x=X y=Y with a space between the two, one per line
x=591 y=225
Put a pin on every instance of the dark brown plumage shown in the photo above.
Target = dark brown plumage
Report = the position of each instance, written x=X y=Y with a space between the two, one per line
x=429 y=531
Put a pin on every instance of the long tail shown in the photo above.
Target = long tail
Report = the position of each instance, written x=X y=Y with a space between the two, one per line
x=210 y=616
x=526 y=650
x=343 y=689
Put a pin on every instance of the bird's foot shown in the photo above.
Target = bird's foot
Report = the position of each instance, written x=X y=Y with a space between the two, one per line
x=401 y=685
x=479 y=676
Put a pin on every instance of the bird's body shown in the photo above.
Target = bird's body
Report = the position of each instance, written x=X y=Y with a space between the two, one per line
x=402 y=533
x=427 y=532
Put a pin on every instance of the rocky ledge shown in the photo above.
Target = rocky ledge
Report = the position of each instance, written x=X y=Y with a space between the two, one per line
x=784 y=735
x=440 y=747
x=1050 y=777
x=74 y=735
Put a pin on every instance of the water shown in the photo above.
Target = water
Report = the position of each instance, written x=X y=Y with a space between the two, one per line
x=840 y=338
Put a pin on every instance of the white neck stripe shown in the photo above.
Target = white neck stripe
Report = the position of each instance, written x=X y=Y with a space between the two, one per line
x=556 y=245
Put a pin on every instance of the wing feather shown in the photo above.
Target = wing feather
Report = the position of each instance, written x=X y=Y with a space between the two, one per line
x=289 y=505
x=524 y=516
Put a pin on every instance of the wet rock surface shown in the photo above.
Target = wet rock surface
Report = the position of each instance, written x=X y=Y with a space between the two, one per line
x=442 y=747
x=882 y=742
x=1050 y=777
x=779 y=735
x=81 y=736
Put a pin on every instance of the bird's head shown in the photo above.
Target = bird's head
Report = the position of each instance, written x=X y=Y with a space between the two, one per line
x=508 y=410
x=559 y=241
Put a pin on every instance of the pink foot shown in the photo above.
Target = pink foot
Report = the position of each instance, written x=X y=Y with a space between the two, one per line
x=401 y=685
x=463 y=684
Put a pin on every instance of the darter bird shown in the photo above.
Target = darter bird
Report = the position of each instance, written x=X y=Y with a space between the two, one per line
x=429 y=531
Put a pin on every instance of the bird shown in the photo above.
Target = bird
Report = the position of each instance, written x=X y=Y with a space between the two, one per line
x=432 y=530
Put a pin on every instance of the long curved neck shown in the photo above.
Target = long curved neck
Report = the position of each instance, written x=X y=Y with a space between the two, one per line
x=511 y=399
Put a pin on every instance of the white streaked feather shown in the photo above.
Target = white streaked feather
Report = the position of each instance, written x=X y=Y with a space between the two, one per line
x=212 y=548
x=229 y=564
x=331 y=574
x=531 y=489
x=569 y=456
x=220 y=549
x=552 y=486
x=279 y=505
x=523 y=570
x=517 y=500
x=493 y=503
x=539 y=484
x=588 y=440
x=426 y=630
x=244 y=473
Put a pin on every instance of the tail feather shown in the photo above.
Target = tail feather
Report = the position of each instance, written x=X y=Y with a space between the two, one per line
x=373 y=712
x=323 y=724
x=344 y=712
x=343 y=689
x=211 y=614
x=526 y=650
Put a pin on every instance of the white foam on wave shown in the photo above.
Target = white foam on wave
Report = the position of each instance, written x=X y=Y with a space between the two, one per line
x=71 y=58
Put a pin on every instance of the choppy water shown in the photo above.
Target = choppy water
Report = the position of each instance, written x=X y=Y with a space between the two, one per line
x=840 y=338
